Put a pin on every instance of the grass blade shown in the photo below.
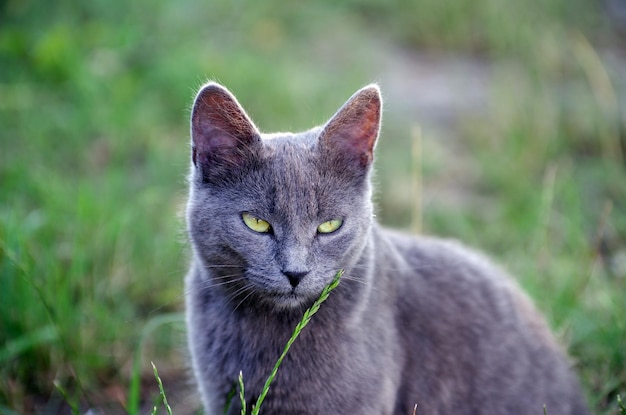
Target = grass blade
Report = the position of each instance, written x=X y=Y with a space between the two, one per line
x=296 y=332
x=36 y=338
x=161 y=390
x=70 y=401
x=134 y=388
x=229 y=398
x=242 y=394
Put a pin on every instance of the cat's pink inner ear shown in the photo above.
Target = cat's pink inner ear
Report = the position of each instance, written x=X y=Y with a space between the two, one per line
x=218 y=123
x=353 y=130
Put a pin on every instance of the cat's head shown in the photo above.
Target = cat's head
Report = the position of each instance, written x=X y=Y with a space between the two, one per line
x=273 y=217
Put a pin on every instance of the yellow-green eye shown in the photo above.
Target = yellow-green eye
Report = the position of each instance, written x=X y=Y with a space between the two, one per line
x=330 y=226
x=256 y=224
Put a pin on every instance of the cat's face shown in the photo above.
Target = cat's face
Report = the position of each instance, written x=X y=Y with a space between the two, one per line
x=275 y=217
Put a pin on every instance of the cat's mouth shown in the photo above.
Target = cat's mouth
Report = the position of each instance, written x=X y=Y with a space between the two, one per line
x=280 y=296
x=289 y=300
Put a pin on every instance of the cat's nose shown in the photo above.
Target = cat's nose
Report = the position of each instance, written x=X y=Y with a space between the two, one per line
x=295 y=277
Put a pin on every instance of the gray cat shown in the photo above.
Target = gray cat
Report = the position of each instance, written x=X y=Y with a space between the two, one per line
x=415 y=320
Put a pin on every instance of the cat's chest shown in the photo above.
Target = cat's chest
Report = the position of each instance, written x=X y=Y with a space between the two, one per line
x=253 y=348
x=326 y=357
x=243 y=342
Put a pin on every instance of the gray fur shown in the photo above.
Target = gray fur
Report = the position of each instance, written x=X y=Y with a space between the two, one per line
x=414 y=320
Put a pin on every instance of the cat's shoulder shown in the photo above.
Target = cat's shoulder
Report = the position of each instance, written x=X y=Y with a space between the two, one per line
x=433 y=264
x=437 y=252
x=447 y=279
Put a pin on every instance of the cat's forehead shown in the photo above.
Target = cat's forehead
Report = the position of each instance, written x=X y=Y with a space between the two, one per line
x=306 y=139
x=286 y=152
x=291 y=150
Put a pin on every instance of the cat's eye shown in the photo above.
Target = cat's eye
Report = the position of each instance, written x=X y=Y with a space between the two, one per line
x=330 y=226
x=256 y=224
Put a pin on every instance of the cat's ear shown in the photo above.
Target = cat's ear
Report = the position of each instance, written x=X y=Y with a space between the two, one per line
x=222 y=134
x=350 y=135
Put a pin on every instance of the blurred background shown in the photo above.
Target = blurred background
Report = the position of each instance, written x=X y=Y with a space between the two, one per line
x=504 y=127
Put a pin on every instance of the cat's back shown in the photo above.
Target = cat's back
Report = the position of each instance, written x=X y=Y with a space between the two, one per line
x=468 y=327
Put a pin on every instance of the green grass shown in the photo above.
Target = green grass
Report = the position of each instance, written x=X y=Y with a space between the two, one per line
x=161 y=391
x=94 y=152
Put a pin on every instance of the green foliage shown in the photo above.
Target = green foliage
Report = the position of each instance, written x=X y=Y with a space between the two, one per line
x=147 y=331
x=94 y=151
x=483 y=26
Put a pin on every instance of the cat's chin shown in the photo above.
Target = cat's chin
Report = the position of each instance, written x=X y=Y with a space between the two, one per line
x=289 y=301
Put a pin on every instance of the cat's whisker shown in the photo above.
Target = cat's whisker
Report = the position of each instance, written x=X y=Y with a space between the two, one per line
x=366 y=283
x=243 y=300
x=212 y=266
x=203 y=284
x=224 y=277
x=397 y=269
x=223 y=283
x=217 y=282
x=185 y=293
x=231 y=297
x=174 y=301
